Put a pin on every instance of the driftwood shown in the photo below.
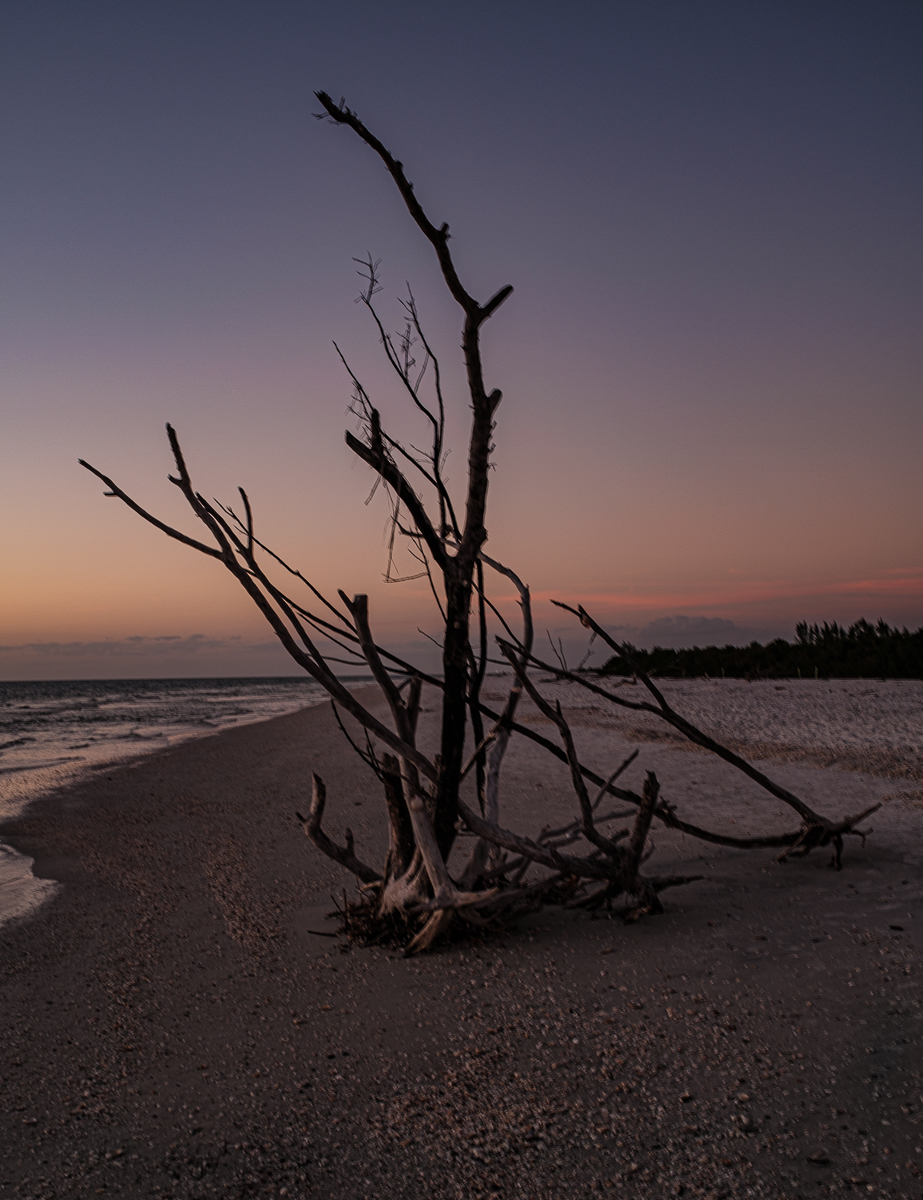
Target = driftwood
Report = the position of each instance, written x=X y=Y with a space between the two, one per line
x=415 y=898
x=814 y=831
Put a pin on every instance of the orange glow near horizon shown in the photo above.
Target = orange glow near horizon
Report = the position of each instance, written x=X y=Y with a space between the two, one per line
x=710 y=364
x=735 y=599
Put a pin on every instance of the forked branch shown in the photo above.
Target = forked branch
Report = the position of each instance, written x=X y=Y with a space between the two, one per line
x=342 y=854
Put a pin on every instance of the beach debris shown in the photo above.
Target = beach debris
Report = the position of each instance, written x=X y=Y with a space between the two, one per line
x=592 y=862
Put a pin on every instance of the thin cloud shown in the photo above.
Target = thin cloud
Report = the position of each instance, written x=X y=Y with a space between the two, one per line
x=133 y=647
x=899 y=583
x=680 y=632
x=692 y=631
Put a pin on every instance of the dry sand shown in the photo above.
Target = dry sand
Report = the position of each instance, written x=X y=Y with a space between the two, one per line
x=173 y=1028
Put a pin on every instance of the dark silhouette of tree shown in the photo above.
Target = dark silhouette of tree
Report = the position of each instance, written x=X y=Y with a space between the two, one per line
x=828 y=651
x=414 y=897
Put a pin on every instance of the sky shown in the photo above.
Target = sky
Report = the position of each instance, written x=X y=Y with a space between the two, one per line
x=712 y=216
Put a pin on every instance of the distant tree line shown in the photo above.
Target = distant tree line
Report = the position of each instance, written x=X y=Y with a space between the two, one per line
x=828 y=651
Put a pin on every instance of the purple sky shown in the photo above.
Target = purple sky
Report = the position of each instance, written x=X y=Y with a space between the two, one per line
x=711 y=363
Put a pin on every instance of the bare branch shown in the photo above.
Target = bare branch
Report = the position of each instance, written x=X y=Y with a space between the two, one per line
x=115 y=490
x=663 y=710
x=379 y=461
x=438 y=238
x=620 y=770
x=643 y=820
x=312 y=828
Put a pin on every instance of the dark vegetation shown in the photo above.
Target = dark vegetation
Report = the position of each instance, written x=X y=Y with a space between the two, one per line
x=863 y=651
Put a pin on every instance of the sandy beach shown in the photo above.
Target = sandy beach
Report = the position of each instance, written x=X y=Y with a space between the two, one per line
x=173 y=1027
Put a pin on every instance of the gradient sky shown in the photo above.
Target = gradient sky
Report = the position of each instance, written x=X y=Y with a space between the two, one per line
x=712 y=215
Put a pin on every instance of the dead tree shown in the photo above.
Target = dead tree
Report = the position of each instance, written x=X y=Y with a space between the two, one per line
x=414 y=896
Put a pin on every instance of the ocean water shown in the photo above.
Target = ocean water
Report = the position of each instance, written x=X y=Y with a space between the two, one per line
x=53 y=733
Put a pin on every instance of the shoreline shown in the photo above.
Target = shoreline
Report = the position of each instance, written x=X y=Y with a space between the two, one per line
x=170 y=1010
x=21 y=890
x=153 y=732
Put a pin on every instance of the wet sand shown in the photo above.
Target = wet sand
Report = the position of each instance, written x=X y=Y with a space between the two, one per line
x=173 y=1028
